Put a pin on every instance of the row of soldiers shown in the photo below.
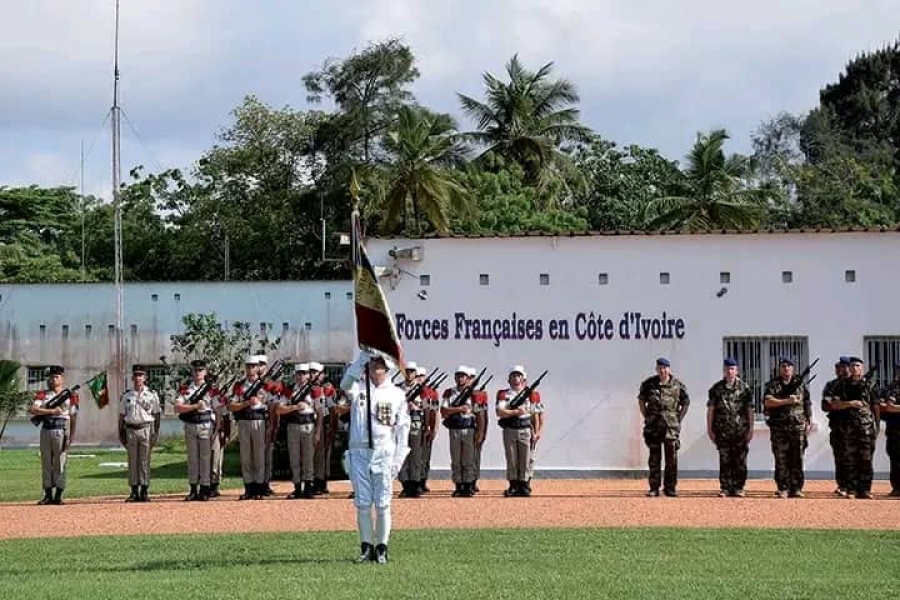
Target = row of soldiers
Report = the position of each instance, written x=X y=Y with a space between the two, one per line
x=853 y=405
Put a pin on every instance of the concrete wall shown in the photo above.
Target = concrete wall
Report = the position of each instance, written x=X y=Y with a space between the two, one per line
x=593 y=423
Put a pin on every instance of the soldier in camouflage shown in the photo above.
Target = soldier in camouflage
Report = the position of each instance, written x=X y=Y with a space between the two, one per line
x=855 y=396
x=837 y=424
x=729 y=424
x=890 y=411
x=788 y=415
x=663 y=401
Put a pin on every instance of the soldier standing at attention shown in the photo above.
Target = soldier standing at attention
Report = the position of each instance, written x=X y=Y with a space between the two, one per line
x=432 y=406
x=663 y=401
x=837 y=424
x=199 y=431
x=139 y=417
x=273 y=394
x=323 y=397
x=729 y=424
x=480 y=410
x=410 y=472
x=890 y=411
x=788 y=415
x=856 y=398
x=460 y=421
x=250 y=414
x=57 y=432
x=518 y=431
x=303 y=425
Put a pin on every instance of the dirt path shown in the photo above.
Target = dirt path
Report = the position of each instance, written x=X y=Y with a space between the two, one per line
x=555 y=503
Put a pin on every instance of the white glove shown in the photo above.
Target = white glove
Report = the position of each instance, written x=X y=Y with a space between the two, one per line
x=355 y=370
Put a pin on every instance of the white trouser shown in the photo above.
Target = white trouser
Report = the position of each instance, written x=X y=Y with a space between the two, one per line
x=370 y=474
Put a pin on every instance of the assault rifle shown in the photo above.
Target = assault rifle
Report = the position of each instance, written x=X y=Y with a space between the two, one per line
x=467 y=391
x=301 y=392
x=57 y=401
x=525 y=394
x=484 y=385
x=273 y=373
x=791 y=388
x=415 y=390
x=202 y=390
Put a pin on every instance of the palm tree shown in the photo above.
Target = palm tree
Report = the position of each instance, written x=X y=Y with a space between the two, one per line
x=716 y=195
x=419 y=181
x=10 y=396
x=526 y=121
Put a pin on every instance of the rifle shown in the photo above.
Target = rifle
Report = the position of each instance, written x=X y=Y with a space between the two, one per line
x=791 y=388
x=415 y=390
x=301 y=392
x=467 y=391
x=56 y=402
x=484 y=385
x=273 y=373
x=525 y=394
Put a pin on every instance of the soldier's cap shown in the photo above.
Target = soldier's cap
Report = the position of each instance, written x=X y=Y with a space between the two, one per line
x=55 y=370
x=251 y=360
x=301 y=367
x=138 y=370
x=411 y=366
x=730 y=362
x=421 y=371
x=316 y=366
x=663 y=362
x=518 y=369
x=461 y=369
x=261 y=359
x=784 y=360
x=855 y=360
x=198 y=364
x=377 y=361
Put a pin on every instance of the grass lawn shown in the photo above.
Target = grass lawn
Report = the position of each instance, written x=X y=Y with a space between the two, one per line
x=20 y=472
x=518 y=564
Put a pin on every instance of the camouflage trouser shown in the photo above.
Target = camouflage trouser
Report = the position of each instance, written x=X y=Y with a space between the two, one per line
x=837 y=437
x=787 y=448
x=733 y=466
x=857 y=457
x=892 y=445
x=655 y=464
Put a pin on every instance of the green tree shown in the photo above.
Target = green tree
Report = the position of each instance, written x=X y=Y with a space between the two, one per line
x=715 y=192
x=526 y=121
x=422 y=148
x=11 y=396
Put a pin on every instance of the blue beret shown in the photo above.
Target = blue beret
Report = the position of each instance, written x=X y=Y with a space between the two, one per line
x=784 y=360
x=855 y=359
x=730 y=362
x=844 y=360
x=663 y=362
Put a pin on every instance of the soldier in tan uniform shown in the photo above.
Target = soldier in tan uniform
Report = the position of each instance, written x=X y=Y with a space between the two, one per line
x=663 y=401
x=250 y=412
x=432 y=407
x=303 y=426
x=410 y=473
x=139 y=418
x=323 y=396
x=460 y=421
x=518 y=431
x=199 y=430
x=57 y=432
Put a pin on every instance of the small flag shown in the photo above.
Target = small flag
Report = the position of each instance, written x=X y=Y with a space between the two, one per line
x=100 y=390
x=375 y=330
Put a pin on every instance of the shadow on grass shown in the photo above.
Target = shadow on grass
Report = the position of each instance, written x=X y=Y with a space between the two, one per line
x=187 y=565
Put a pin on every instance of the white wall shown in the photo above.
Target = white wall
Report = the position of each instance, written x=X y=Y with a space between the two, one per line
x=593 y=422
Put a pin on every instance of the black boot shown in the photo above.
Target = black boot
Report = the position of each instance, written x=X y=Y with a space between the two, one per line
x=456 y=491
x=323 y=487
x=145 y=494
x=259 y=491
x=366 y=553
x=203 y=496
x=246 y=495
x=297 y=493
x=57 y=498
x=525 y=488
x=193 y=495
x=404 y=493
x=309 y=489
x=135 y=495
x=214 y=491
x=266 y=489
x=381 y=554
x=475 y=489
x=465 y=490
x=423 y=487
x=511 y=490
x=48 y=497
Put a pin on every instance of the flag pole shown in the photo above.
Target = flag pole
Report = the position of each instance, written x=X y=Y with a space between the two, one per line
x=356 y=243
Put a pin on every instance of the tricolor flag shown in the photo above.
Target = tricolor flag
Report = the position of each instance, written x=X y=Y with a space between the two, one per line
x=375 y=330
x=100 y=389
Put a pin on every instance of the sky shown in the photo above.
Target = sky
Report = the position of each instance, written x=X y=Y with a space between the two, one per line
x=650 y=72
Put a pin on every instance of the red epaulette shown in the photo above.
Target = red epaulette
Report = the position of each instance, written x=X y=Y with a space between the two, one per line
x=237 y=390
x=183 y=389
x=480 y=397
x=329 y=390
x=41 y=395
x=316 y=392
x=535 y=397
x=214 y=392
x=501 y=395
x=73 y=399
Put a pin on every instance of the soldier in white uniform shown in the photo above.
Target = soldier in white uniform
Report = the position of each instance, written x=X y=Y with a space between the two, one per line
x=139 y=417
x=250 y=412
x=199 y=430
x=303 y=427
x=373 y=469
x=57 y=431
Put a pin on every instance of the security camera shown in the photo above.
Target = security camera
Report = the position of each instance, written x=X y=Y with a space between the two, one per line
x=423 y=295
x=721 y=292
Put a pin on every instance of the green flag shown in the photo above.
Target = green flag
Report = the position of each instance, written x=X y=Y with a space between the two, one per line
x=100 y=390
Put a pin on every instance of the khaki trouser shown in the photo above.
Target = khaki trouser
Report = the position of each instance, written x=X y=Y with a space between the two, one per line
x=462 y=455
x=517 y=447
x=53 y=458
x=252 y=434
x=412 y=466
x=215 y=460
x=301 y=448
x=197 y=437
x=426 y=458
x=322 y=458
x=138 y=444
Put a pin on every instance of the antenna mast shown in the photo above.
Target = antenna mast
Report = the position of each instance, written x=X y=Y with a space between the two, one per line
x=117 y=205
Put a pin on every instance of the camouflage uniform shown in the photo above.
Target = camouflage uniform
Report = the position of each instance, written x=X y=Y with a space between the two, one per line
x=662 y=427
x=891 y=396
x=732 y=408
x=860 y=429
x=787 y=429
x=837 y=424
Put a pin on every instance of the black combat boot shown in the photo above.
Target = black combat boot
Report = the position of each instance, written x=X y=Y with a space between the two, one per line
x=366 y=553
x=404 y=493
x=423 y=487
x=511 y=490
x=465 y=490
x=203 y=496
x=527 y=485
x=57 y=498
x=524 y=488
x=458 y=487
x=214 y=491
x=297 y=493
x=48 y=497
x=381 y=554
x=135 y=495
x=265 y=489
x=246 y=495
x=309 y=489
x=475 y=489
x=324 y=487
x=193 y=495
x=145 y=494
